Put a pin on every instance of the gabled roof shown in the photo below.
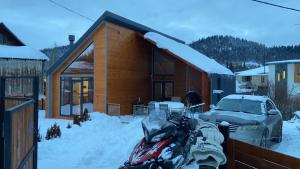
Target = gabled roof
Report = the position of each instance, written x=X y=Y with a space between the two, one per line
x=254 y=72
x=188 y=54
x=2 y=25
x=112 y=18
x=21 y=52
x=284 y=62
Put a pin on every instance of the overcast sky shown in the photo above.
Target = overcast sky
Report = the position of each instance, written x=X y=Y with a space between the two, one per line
x=41 y=24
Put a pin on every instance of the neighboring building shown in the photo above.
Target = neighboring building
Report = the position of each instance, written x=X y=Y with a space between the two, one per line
x=17 y=59
x=118 y=61
x=284 y=77
x=252 y=80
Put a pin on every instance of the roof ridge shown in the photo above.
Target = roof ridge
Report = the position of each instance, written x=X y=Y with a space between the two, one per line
x=112 y=18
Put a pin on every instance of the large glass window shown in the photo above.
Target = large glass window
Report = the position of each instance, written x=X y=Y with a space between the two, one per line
x=163 y=65
x=76 y=95
x=84 y=63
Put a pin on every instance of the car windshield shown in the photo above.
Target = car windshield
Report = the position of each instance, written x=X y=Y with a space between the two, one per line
x=240 y=105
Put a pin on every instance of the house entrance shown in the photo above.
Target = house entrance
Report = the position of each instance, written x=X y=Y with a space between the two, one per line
x=77 y=95
x=163 y=90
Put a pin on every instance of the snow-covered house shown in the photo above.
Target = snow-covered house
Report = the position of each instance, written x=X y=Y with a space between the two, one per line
x=252 y=79
x=17 y=59
x=284 y=77
x=118 y=61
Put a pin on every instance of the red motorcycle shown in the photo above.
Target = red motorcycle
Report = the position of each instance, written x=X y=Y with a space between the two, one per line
x=165 y=145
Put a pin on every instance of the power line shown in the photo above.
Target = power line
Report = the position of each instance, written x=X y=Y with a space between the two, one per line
x=71 y=10
x=279 y=6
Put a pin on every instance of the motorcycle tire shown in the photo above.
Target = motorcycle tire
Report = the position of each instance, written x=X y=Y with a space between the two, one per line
x=206 y=167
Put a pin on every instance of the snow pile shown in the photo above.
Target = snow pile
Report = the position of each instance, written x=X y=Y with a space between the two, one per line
x=254 y=72
x=290 y=144
x=188 y=54
x=21 y=52
x=105 y=142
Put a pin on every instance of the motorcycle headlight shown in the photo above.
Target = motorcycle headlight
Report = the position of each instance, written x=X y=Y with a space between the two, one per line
x=158 y=137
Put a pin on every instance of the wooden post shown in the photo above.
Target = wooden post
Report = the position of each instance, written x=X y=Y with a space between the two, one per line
x=2 y=110
x=36 y=107
x=224 y=129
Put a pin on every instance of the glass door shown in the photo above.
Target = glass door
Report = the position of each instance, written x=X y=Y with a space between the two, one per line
x=163 y=90
x=76 y=95
x=76 y=98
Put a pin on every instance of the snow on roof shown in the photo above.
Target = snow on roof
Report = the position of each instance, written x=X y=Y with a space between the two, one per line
x=284 y=61
x=254 y=72
x=188 y=54
x=21 y=52
x=247 y=97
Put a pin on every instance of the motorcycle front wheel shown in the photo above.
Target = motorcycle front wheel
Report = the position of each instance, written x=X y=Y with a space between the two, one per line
x=206 y=167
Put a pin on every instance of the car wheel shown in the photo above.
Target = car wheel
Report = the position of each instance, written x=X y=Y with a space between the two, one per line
x=264 y=139
x=278 y=137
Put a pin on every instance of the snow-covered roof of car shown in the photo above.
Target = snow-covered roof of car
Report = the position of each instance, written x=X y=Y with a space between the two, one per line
x=21 y=52
x=188 y=54
x=247 y=97
x=254 y=72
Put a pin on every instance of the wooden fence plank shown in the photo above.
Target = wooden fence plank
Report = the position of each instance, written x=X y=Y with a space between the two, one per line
x=241 y=155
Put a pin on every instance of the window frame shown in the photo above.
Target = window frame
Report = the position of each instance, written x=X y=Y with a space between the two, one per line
x=70 y=78
x=74 y=60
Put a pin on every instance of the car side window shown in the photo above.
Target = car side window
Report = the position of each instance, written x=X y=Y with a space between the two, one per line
x=269 y=106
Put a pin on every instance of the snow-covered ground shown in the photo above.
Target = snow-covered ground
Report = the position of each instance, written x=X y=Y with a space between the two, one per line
x=290 y=138
x=106 y=142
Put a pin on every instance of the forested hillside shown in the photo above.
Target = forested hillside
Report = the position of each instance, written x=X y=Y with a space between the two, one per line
x=239 y=54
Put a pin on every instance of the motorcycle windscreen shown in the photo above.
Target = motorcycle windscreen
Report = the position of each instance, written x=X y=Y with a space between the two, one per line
x=154 y=124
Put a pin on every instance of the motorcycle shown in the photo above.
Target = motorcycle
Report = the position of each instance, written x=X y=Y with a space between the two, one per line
x=166 y=143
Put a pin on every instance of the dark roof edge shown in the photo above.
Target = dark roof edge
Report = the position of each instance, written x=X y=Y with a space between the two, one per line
x=8 y=30
x=112 y=18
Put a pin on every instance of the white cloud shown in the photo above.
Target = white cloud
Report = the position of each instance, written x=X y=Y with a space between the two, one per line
x=41 y=24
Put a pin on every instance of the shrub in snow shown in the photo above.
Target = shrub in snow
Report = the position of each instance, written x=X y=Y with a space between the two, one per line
x=69 y=126
x=76 y=120
x=82 y=118
x=39 y=136
x=53 y=132
x=85 y=116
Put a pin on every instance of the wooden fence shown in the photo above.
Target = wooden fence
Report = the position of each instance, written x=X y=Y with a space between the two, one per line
x=242 y=155
x=245 y=156
x=19 y=116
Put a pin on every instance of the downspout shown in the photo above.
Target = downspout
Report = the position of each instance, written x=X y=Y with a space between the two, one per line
x=50 y=95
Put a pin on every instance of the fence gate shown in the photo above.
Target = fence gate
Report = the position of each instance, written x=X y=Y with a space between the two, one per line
x=19 y=119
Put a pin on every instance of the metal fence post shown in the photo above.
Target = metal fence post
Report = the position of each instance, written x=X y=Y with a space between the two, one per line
x=36 y=107
x=224 y=129
x=2 y=110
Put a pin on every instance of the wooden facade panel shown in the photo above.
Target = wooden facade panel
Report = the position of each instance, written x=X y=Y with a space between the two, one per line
x=129 y=63
x=99 y=73
x=296 y=76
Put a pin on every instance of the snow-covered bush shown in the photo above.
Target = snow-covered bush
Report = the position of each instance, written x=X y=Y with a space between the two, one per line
x=53 y=132
x=82 y=118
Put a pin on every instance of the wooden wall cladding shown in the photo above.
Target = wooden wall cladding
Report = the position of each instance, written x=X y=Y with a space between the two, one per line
x=296 y=76
x=129 y=66
x=99 y=73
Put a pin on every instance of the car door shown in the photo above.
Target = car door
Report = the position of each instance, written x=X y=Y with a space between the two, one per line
x=273 y=121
